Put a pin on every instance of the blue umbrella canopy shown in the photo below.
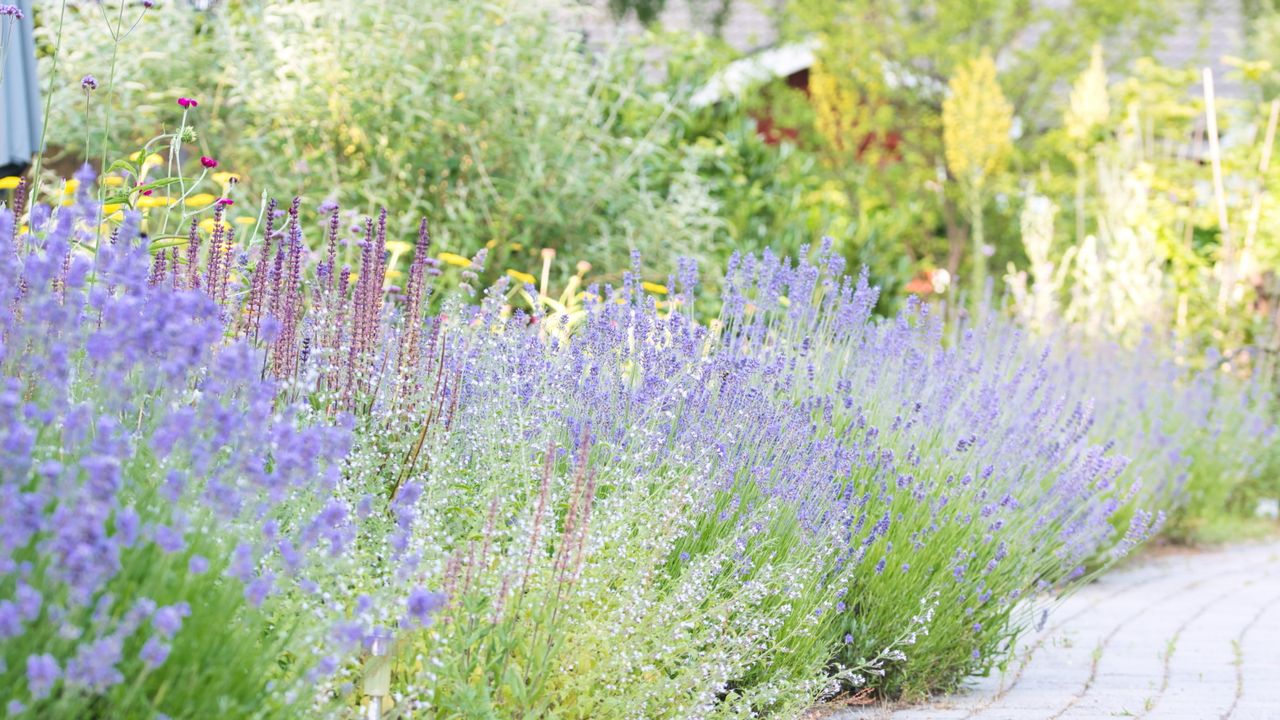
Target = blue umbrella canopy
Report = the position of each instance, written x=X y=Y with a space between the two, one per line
x=19 y=91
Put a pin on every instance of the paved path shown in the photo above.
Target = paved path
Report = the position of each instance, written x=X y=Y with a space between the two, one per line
x=1191 y=636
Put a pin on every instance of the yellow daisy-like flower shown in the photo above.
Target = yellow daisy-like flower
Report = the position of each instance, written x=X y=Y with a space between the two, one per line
x=154 y=201
x=225 y=178
x=9 y=183
x=516 y=247
x=200 y=200
x=454 y=259
x=149 y=163
x=68 y=202
x=116 y=216
x=523 y=277
x=207 y=225
x=398 y=247
x=71 y=186
x=110 y=208
x=654 y=288
x=113 y=181
x=246 y=220
x=392 y=274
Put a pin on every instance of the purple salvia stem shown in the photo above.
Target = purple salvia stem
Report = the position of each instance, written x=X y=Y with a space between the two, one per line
x=258 y=288
x=286 y=350
x=193 y=257
x=217 y=261
x=19 y=207
x=158 y=270
x=414 y=289
x=229 y=244
x=331 y=259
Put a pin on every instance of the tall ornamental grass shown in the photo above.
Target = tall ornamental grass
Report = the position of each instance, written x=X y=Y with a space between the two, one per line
x=624 y=511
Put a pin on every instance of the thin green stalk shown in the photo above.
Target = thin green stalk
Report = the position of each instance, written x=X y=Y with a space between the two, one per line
x=111 y=83
x=979 y=242
x=48 y=104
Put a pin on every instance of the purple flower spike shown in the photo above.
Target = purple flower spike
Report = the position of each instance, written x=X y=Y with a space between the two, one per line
x=422 y=604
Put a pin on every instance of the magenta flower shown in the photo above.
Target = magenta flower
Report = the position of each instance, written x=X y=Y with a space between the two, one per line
x=208 y=162
x=89 y=83
x=225 y=201
x=187 y=103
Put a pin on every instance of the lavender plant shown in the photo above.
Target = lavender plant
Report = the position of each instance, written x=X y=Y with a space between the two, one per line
x=631 y=513
x=141 y=475
x=799 y=441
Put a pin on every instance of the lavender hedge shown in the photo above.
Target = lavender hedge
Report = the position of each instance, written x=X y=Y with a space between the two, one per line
x=231 y=465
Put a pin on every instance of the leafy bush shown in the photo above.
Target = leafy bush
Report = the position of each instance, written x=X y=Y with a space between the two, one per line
x=488 y=117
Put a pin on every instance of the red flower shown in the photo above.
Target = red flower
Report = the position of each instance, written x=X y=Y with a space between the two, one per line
x=187 y=103
x=146 y=192
x=226 y=201
x=208 y=162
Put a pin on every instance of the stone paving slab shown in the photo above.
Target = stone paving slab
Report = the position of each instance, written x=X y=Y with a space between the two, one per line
x=1187 y=636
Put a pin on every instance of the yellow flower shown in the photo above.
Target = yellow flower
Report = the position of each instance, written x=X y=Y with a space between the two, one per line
x=1090 y=105
x=116 y=216
x=71 y=186
x=835 y=107
x=454 y=259
x=225 y=178
x=152 y=161
x=246 y=220
x=523 y=277
x=154 y=201
x=392 y=273
x=9 y=183
x=208 y=226
x=200 y=200
x=459 y=96
x=113 y=181
x=111 y=207
x=975 y=122
x=399 y=247
x=654 y=288
x=68 y=202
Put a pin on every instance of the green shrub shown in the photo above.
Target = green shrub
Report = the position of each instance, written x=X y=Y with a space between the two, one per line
x=489 y=118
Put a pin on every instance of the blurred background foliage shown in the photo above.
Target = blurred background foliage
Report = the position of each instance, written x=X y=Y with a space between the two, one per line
x=1097 y=205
